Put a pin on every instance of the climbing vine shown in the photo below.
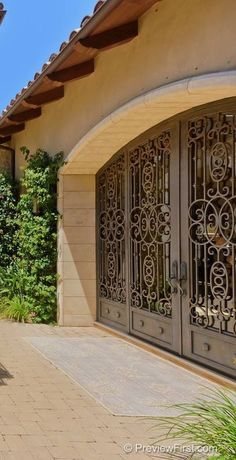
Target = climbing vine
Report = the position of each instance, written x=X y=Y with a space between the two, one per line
x=7 y=218
x=28 y=280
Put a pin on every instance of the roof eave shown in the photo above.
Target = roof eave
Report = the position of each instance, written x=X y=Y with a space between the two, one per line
x=2 y=14
x=86 y=29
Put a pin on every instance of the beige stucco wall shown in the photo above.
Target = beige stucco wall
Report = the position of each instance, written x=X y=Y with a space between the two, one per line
x=129 y=92
x=76 y=248
x=177 y=39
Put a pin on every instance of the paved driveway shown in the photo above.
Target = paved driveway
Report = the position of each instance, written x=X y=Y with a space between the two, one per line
x=45 y=415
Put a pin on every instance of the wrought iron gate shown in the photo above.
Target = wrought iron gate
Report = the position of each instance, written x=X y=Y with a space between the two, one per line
x=167 y=237
x=209 y=307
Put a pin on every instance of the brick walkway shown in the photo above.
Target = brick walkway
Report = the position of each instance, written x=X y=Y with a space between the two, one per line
x=44 y=415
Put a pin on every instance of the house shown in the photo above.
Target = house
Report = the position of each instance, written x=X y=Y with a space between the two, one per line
x=142 y=100
x=2 y=12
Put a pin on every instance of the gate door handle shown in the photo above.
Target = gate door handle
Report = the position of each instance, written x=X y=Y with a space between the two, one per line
x=175 y=286
x=183 y=271
x=183 y=276
x=178 y=285
x=174 y=270
x=174 y=281
x=172 y=285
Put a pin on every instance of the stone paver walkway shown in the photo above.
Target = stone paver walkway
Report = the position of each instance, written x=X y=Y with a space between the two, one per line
x=45 y=415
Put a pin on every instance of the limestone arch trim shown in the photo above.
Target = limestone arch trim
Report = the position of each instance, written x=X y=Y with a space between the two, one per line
x=141 y=113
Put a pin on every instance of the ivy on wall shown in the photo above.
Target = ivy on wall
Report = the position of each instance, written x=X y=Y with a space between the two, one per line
x=7 y=218
x=28 y=276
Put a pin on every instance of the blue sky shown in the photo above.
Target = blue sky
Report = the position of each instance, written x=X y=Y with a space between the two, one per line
x=31 y=31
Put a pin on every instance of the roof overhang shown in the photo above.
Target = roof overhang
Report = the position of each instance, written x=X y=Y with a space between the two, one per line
x=114 y=22
x=2 y=12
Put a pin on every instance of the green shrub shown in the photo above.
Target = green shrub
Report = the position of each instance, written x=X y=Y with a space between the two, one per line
x=210 y=422
x=14 y=280
x=28 y=281
x=7 y=219
x=15 y=308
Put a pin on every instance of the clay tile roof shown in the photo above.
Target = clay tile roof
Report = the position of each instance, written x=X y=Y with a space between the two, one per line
x=98 y=5
x=2 y=12
x=112 y=22
x=96 y=8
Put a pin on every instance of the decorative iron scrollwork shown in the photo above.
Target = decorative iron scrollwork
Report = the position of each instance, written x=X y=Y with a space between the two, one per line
x=219 y=281
x=149 y=225
x=167 y=244
x=111 y=194
x=218 y=161
x=212 y=222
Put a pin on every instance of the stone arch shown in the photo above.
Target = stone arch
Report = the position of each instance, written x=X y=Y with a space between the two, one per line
x=141 y=113
x=76 y=241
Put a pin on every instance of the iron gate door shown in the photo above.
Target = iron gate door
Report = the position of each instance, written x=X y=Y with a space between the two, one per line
x=138 y=205
x=153 y=212
x=208 y=219
x=166 y=237
x=111 y=243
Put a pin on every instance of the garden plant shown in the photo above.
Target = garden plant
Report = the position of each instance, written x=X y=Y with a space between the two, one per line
x=28 y=240
x=209 y=425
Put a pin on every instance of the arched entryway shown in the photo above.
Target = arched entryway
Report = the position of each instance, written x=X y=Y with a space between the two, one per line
x=166 y=236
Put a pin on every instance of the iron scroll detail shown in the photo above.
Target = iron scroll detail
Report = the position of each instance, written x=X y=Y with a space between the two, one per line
x=212 y=222
x=149 y=225
x=112 y=276
x=166 y=236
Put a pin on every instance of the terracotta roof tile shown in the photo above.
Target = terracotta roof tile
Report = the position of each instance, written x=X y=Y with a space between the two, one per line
x=96 y=8
x=73 y=33
x=2 y=12
x=98 y=5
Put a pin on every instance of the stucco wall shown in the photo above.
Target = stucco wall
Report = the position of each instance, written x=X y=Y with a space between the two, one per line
x=76 y=248
x=180 y=39
x=177 y=39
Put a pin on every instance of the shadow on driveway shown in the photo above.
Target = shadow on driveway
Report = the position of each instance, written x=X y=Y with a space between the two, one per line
x=4 y=374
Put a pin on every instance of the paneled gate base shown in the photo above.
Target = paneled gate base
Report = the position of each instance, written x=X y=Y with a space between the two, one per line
x=166 y=237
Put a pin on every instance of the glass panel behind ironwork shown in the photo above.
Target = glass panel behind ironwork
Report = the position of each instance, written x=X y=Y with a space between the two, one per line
x=111 y=222
x=149 y=206
x=212 y=222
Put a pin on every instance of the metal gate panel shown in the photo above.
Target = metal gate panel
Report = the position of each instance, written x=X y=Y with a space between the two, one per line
x=154 y=306
x=111 y=243
x=137 y=206
x=210 y=305
x=166 y=237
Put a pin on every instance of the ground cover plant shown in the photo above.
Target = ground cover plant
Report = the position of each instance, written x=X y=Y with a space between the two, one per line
x=28 y=276
x=209 y=424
